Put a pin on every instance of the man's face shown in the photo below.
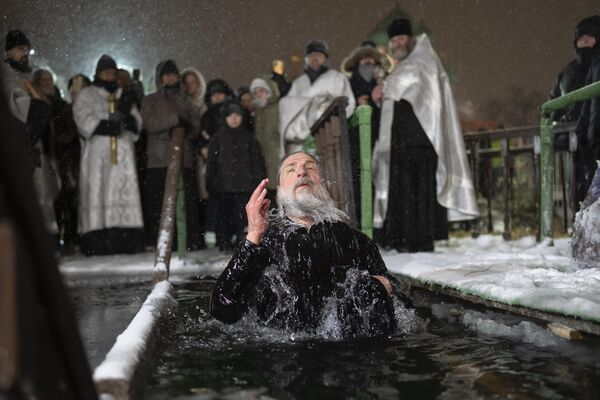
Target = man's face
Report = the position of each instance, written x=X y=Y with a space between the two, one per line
x=19 y=54
x=233 y=120
x=217 y=98
x=190 y=84
x=246 y=102
x=315 y=60
x=585 y=41
x=261 y=94
x=299 y=173
x=169 y=79
x=108 y=75
x=124 y=79
x=47 y=84
x=400 y=46
x=367 y=61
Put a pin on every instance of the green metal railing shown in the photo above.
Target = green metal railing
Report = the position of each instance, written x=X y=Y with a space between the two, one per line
x=362 y=119
x=547 y=151
x=366 y=196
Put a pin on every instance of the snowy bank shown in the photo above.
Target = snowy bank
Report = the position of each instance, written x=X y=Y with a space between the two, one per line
x=521 y=273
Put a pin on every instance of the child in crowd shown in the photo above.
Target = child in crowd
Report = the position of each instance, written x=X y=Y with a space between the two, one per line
x=235 y=167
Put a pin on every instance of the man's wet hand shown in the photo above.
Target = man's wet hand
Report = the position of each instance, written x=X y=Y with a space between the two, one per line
x=257 y=211
x=385 y=282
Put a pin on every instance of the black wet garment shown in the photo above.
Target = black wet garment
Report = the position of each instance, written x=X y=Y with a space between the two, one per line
x=289 y=278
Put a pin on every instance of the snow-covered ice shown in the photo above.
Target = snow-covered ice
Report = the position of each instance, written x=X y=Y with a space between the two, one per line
x=518 y=272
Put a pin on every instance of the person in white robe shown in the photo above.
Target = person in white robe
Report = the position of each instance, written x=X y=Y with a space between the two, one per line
x=309 y=97
x=421 y=174
x=110 y=214
x=31 y=107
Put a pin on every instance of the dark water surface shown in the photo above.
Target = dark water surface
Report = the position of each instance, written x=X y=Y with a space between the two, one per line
x=104 y=307
x=199 y=358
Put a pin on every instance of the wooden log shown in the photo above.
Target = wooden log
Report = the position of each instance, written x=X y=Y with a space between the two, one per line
x=564 y=331
x=9 y=339
x=167 y=216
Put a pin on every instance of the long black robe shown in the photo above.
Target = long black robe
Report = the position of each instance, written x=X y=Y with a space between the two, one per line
x=289 y=277
x=414 y=217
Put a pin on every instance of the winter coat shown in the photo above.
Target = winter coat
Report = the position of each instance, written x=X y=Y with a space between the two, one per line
x=235 y=164
x=572 y=77
x=18 y=98
x=161 y=113
x=34 y=113
x=109 y=193
x=588 y=127
x=290 y=278
x=267 y=133
x=213 y=120
x=282 y=83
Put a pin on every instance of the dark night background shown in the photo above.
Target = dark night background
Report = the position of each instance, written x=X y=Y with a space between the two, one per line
x=504 y=55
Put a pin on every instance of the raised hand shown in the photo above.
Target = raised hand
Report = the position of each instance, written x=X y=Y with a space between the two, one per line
x=257 y=211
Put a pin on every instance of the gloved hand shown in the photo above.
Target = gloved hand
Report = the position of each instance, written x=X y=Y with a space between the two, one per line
x=117 y=116
x=107 y=127
x=130 y=124
x=126 y=101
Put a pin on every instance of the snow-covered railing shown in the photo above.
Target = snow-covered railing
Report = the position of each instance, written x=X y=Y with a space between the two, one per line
x=115 y=375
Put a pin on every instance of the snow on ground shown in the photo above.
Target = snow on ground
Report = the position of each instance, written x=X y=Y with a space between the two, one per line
x=518 y=272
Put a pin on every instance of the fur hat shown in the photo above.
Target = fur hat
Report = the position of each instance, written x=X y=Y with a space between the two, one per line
x=588 y=26
x=316 y=46
x=105 y=62
x=351 y=62
x=14 y=39
x=400 y=26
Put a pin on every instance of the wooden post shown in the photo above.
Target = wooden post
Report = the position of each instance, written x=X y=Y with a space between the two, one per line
x=475 y=176
x=563 y=181
x=167 y=216
x=505 y=146
x=9 y=324
x=331 y=138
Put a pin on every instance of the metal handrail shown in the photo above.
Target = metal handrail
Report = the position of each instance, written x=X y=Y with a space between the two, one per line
x=547 y=152
x=506 y=152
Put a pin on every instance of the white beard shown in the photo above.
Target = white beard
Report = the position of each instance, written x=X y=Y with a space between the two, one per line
x=318 y=206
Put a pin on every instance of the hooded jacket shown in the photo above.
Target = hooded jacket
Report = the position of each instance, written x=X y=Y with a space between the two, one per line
x=198 y=98
x=266 y=121
x=163 y=111
x=235 y=164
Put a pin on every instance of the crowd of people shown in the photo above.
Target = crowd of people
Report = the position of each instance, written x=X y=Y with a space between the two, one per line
x=100 y=162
